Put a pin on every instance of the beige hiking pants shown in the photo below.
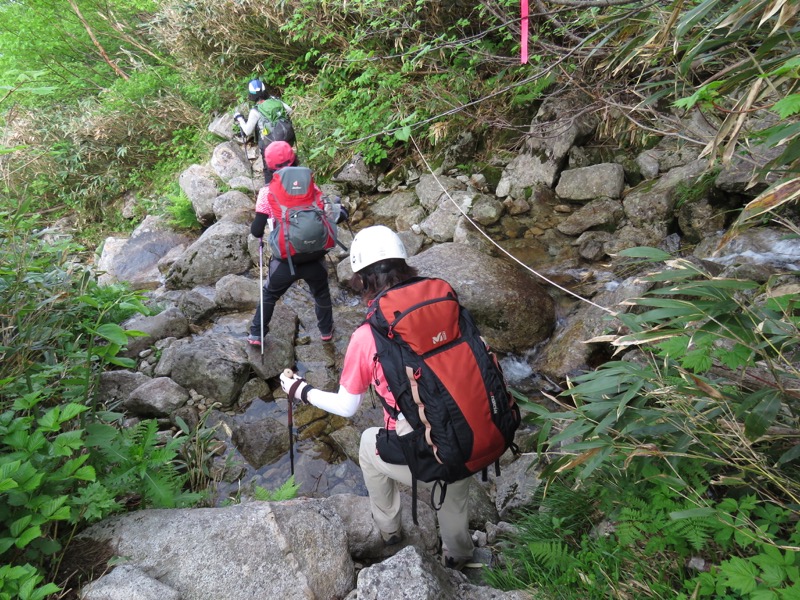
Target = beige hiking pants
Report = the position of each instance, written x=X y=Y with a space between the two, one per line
x=384 y=497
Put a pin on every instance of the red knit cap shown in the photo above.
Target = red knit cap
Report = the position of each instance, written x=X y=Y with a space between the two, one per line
x=278 y=155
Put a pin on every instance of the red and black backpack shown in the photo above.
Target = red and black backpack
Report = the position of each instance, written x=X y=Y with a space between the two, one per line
x=447 y=383
x=302 y=230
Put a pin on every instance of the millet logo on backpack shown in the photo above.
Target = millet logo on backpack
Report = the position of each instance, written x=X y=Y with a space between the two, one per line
x=439 y=338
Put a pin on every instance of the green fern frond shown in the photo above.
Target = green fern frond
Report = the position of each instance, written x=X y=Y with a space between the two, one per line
x=286 y=491
x=629 y=532
x=551 y=555
x=696 y=532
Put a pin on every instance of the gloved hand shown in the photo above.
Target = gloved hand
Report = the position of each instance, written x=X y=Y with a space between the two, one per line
x=237 y=116
x=343 y=214
x=296 y=387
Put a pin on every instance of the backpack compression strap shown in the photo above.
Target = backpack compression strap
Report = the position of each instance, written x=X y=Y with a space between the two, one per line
x=412 y=380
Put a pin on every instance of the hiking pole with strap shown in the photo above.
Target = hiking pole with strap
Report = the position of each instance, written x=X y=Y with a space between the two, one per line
x=261 y=288
x=289 y=420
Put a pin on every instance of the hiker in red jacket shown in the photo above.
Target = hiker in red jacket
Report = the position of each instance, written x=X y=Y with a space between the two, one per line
x=378 y=258
x=282 y=273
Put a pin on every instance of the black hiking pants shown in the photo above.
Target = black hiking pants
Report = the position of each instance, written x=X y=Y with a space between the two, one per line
x=280 y=279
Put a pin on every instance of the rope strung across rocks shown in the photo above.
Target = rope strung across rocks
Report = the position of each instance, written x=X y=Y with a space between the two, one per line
x=500 y=248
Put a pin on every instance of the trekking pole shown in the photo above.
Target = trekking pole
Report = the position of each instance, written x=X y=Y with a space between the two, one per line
x=289 y=419
x=261 y=289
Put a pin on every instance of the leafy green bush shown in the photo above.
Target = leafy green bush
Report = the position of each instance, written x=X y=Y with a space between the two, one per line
x=719 y=360
x=61 y=466
x=687 y=444
x=635 y=534
x=83 y=157
x=136 y=463
x=180 y=209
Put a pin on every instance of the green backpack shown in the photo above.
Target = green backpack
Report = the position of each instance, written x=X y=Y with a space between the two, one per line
x=274 y=124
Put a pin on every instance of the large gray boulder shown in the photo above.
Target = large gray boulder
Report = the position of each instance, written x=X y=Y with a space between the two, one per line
x=221 y=250
x=127 y=582
x=568 y=353
x=170 y=323
x=511 y=309
x=487 y=209
x=234 y=292
x=135 y=260
x=386 y=210
x=441 y=223
x=214 y=365
x=358 y=174
x=559 y=125
x=604 y=212
x=200 y=186
x=234 y=205
x=222 y=126
x=278 y=344
x=412 y=574
x=116 y=386
x=158 y=397
x=364 y=538
x=261 y=441
x=652 y=203
x=431 y=189
x=605 y=180
x=289 y=550
x=229 y=160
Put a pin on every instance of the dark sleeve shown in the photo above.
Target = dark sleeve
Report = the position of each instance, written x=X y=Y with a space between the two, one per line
x=258 y=225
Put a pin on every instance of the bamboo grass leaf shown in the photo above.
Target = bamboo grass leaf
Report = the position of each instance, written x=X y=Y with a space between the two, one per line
x=774 y=7
x=762 y=416
x=694 y=16
x=769 y=200
x=651 y=254
x=790 y=455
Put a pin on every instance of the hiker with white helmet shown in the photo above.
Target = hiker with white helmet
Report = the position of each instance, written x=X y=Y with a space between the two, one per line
x=381 y=272
x=268 y=121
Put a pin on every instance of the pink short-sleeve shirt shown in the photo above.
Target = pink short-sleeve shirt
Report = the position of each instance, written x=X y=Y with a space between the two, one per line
x=362 y=370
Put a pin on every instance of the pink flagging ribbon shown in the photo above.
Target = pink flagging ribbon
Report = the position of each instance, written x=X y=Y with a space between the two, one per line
x=523 y=49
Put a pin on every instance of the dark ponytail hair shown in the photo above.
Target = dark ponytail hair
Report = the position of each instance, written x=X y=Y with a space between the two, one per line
x=377 y=277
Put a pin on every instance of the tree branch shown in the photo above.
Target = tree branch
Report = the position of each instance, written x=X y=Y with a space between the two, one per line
x=95 y=41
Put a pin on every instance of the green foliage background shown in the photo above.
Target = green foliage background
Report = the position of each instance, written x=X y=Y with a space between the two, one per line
x=117 y=96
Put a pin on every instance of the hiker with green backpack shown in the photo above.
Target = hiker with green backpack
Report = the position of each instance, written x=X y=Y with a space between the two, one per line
x=300 y=224
x=448 y=412
x=268 y=121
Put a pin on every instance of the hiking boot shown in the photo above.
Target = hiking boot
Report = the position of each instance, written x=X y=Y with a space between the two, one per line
x=254 y=340
x=390 y=539
x=327 y=337
x=452 y=562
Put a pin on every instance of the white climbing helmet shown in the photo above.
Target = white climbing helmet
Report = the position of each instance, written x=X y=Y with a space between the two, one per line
x=373 y=244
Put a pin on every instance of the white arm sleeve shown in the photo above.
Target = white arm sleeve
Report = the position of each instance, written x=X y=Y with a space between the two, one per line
x=252 y=120
x=341 y=403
